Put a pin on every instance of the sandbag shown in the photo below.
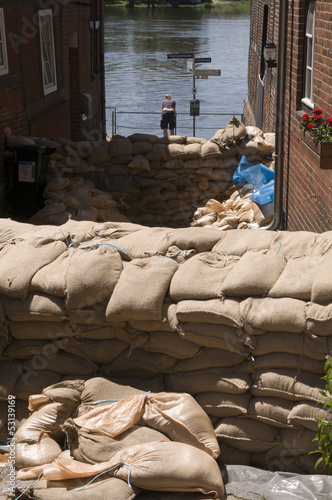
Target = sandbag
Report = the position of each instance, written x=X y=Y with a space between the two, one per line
x=92 y=447
x=225 y=380
x=144 y=283
x=217 y=311
x=321 y=287
x=201 y=277
x=188 y=468
x=217 y=404
x=35 y=440
x=254 y=274
x=19 y=262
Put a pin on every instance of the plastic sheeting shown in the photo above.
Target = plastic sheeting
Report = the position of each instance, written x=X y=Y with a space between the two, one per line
x=249 y=483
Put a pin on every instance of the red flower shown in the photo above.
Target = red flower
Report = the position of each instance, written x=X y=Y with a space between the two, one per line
x=305 y=117
x=310 y=125
x=317 y=118
x=317 y=112
x=329 y=121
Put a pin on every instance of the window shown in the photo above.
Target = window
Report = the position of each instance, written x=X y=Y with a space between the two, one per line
x=47 y=51
x=3 y=47
x=309 y=55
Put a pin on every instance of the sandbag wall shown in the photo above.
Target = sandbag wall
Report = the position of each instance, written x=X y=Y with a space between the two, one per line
x=149 y=180
x=239 y=320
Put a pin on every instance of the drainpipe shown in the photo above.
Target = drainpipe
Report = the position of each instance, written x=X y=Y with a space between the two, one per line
x=102 y=70
x=280 y=117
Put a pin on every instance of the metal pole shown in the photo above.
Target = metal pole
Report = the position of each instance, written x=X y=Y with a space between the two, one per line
x=194 y=94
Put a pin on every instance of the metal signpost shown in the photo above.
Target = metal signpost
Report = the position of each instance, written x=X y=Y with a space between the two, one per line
x=197 y=73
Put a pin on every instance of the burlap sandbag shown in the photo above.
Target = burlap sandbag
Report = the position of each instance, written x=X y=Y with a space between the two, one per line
x=141 y=289
x=233 y=456
x=143 y=137
x=297 y=279
x=273 y=314
x=36 y=307
x=285 y=360
x=92 y=447
x=119 y=146
x=322 y=286
x=26 y=348
x=225 y=380
x=92 y=274
x=35 y=440
x=210 y=150
x=293 y=244
x=147 y=468
x=270 y=410
x=209 y=358
x=240 y=242
x=294 y=442
x=201 y=277
x=30 y=382
x=287 y=384
x=246 y=434
x=307 y=415
x=168 y=322
x=102 y=487
x=218 y=336
x=254 y=274
x=63 y=363
x=197 y=238
x=97 y=351
x=50 y=279
x=317 y=348
x=192 y=151
x=46 y=330
x=318 y=319
x=172 y=344
x=19 y=263
x=10 y=372
x=217 y=404
x=143 y=243
x=322 y=244
x=217 y=311
x=141 y=363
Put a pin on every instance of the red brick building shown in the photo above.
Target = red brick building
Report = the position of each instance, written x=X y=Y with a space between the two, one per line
x=301 y=82
x=51 y=69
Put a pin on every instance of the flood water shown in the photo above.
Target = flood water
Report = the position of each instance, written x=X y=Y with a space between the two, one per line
x=139 y=74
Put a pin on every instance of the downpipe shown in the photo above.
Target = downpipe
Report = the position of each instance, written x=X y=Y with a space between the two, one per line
x=280 y=118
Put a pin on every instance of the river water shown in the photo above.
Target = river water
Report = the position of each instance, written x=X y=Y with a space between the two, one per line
x=139 y=74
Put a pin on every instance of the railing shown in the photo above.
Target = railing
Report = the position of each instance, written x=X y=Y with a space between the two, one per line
x=185 y=125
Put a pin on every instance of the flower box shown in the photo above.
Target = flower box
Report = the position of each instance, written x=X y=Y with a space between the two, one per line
x=323 y=150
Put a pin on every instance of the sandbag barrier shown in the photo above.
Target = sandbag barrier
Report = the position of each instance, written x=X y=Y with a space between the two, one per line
x=151 y=180
x=239 y=320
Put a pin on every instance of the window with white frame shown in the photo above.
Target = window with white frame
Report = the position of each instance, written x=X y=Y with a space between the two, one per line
x=3 y=47
x=47 y=51
x=309 y=55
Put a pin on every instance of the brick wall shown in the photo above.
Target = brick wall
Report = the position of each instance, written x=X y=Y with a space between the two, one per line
x=307 y=188
x=23 y=106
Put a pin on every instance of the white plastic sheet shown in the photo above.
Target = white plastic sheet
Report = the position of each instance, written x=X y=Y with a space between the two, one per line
x=249 y=483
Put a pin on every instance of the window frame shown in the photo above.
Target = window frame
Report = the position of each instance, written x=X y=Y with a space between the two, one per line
x=47 y=53
x=4 y=69
x=309 y=57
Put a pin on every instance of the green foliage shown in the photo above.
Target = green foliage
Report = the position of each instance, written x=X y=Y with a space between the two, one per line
x=318 y=125
x=324 y=434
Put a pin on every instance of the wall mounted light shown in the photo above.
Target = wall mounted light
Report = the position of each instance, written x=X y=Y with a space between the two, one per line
x=94 y=25
x=270 y=55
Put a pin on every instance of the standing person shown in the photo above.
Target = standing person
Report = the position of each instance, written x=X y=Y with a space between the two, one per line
x=168 y=115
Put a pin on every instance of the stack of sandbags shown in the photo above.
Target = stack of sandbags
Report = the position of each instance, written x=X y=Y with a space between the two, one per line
x=152 y=441
x=239 y=320
x=78 y=199
x=153 y=180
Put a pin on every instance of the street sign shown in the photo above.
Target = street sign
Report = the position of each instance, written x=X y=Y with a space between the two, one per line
x=202 y=59
x=189 y=66
x=194 y=90
x=180 y=56
x=207 y=72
